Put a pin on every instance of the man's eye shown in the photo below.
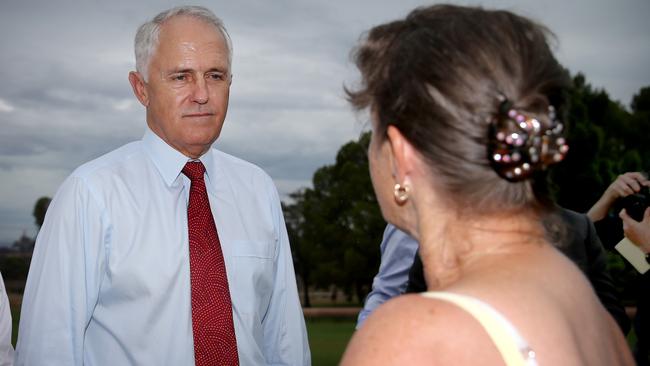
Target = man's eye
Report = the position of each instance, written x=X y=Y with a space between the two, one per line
x=215 y=76
x=180 y=77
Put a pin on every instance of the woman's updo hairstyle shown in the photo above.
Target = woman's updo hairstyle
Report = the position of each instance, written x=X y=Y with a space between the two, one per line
x=464 y=86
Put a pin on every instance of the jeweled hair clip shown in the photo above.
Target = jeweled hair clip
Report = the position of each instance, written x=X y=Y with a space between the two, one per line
x=520 y=145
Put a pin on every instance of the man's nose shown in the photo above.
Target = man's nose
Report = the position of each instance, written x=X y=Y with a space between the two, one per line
x=200 y=93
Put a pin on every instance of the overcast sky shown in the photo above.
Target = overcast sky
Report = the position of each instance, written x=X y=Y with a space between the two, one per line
x=65 y=97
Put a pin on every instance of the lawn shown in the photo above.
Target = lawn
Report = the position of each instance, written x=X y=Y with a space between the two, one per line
x=328 y=338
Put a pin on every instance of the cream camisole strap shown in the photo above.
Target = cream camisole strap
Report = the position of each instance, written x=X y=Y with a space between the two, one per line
x=513 y=347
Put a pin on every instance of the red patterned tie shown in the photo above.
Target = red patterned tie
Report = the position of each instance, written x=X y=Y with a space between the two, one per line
x=212 y=324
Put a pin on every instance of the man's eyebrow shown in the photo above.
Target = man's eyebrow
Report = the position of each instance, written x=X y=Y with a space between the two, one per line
x=180 y=71
x=190 y=71
x=218 y=69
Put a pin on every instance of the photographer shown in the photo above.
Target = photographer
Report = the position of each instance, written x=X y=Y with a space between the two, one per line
x=626 y=199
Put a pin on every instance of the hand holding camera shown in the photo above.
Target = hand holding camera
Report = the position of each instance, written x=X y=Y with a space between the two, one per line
x=633 y=185
x=635 y=213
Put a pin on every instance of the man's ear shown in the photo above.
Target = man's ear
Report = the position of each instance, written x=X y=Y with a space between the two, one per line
x=139 y=87
x=403 y=154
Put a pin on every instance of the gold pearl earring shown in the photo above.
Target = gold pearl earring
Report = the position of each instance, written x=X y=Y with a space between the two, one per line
x=401 y=193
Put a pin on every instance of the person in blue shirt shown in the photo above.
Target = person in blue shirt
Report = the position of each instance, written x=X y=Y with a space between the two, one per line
x=398 y=250
x=109 y=282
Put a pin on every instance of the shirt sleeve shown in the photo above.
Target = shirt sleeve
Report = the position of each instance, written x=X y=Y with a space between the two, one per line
x=397 y=254
x=6 y=350
x=63 y=281
x=285 y=333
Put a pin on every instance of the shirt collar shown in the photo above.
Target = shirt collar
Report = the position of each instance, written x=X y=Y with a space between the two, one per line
x=169 y=161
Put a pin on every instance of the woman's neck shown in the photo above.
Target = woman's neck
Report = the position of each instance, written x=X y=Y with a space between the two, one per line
x=451 y=247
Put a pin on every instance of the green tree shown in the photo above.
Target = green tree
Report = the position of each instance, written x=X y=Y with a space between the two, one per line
x=40 y=208
x=641 y=101
x=640 y=131
x=337 y=224
x=605 y=140
x=305 y=254
x=15 y=268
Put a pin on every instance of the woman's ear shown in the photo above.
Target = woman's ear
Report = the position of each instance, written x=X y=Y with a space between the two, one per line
x=402 y=155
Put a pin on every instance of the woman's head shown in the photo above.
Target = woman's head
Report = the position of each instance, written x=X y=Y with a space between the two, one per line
x=442 y=77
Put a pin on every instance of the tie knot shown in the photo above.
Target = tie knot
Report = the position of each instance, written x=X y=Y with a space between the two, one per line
x=194 y=170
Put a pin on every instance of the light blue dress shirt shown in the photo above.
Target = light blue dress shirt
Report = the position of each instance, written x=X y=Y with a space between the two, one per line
x=109 y=282
x=397 y=255
x=6 y=349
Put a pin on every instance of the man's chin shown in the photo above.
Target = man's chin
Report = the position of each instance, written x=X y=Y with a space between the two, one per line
x=201 y=144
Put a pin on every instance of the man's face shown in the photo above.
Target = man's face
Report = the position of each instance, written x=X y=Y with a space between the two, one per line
x=188 y=85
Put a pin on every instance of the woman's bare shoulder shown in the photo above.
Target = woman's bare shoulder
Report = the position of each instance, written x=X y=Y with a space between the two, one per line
x=412 y=329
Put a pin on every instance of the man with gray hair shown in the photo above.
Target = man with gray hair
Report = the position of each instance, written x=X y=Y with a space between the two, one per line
x=166 y=251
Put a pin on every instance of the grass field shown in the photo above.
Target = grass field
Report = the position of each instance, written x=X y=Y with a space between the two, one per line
x=328 y=338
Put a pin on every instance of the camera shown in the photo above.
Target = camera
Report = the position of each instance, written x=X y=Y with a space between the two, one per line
x=636 y=204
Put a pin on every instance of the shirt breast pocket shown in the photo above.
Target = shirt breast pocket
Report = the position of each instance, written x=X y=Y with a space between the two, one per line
x=253 y=270
x=253 y=248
